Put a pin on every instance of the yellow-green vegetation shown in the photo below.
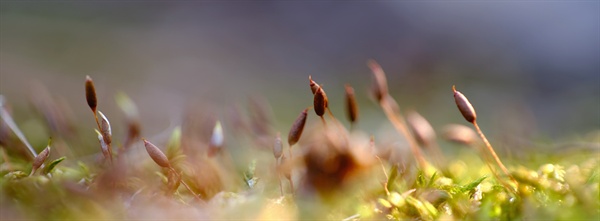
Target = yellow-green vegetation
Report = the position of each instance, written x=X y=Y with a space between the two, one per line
x=331 y=173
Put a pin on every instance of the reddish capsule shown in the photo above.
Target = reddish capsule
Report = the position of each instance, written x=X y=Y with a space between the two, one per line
x=464 y=106
x=156 y=154
x=320 y=102
x=297 y=128
x=39 y=160
x=380 y=88
x=90 y=93
x=351 y=106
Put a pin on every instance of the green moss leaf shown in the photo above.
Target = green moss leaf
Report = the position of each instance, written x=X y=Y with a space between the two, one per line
x=392 y=177
x=471 y=186
x=53 y=164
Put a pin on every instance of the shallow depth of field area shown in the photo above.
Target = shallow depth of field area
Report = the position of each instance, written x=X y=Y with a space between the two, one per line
x=299 y=111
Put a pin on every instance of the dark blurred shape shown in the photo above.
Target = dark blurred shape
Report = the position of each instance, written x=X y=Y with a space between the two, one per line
x=351 y=105
x=331 y=164
x=90 y=93
x=329 y=169
x=380 y=86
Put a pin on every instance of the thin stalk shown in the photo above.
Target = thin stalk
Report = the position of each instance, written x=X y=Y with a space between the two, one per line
x=378 y=158
x=338 y=123
x=385 y=186
x=340 y=126
x=13 y=126
x=492 y=152
x=380 y=163
x=97 y=122
x=323 y=120
x=400 y=126
x=493 y=170
x=110 y=153
x=185 y=184
x=291 y=184
x=280 y=186
x=353 y=217
x=278 y=175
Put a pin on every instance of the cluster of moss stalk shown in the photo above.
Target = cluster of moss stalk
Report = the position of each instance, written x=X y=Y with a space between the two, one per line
x=328 y=164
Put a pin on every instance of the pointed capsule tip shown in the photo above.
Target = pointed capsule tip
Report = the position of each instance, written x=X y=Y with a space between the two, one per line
x=454 y=88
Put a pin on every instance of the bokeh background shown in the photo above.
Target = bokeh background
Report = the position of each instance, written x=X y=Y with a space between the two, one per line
x=531 y=69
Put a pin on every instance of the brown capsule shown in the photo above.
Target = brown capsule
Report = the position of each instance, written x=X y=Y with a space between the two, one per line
x=90 y=93
x=277 y=146
x=320 y=98
x=320 y=102
x=313 y=85
x=464 y=106
x=39 y=160
x=351 y=106
x=105 y=128
x=380 y=88
x=297 y=128
x=156 y=154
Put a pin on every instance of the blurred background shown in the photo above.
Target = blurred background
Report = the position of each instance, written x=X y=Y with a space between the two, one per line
x=531 y=69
